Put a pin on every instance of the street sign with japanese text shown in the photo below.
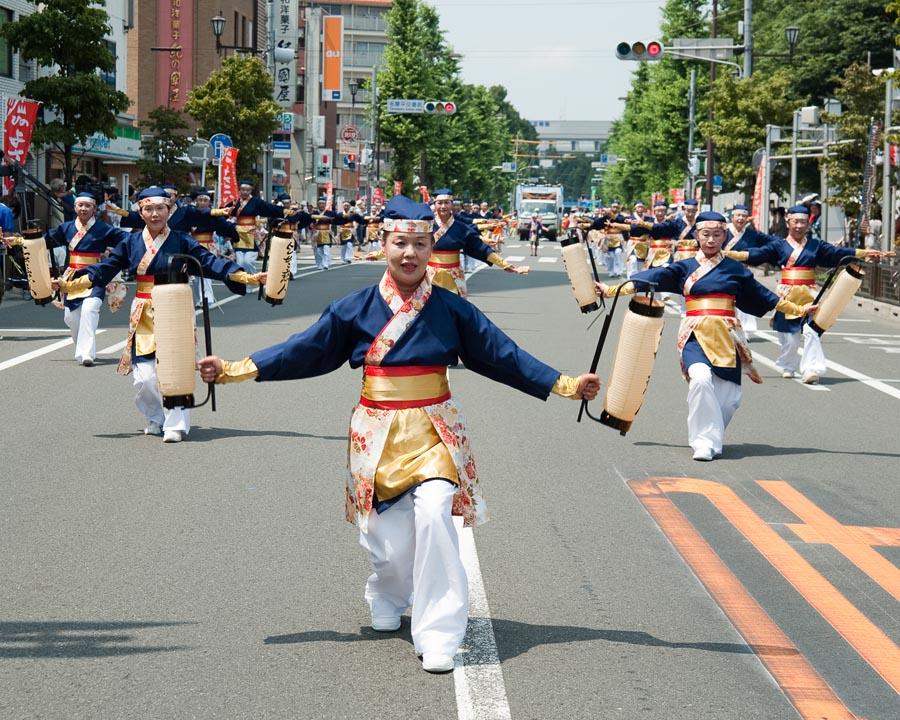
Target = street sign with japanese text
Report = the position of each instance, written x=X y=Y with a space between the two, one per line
x=405 y=106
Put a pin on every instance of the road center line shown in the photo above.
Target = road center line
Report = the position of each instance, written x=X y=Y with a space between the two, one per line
x=478 y=677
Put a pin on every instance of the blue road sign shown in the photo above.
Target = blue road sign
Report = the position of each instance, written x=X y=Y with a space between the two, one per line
x=218 y=141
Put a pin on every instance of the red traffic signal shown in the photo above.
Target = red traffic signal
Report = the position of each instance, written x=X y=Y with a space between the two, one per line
x=640 y=51
x=440 y=107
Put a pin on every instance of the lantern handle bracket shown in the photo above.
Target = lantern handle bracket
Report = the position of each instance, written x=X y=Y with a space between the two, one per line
x=583 y=410
x=207 y=327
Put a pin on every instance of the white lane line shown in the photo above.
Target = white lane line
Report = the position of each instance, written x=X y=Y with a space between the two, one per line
x=844 y=370
x=37 y=353
x=477 y=675
x=515 y=258
x=547 y=260
x=49 y=331
x=763 y=360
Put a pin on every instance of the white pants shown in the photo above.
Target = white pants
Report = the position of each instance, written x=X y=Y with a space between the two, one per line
x=207 y=290
x=748 y=322
x=82 y=322
x=414 y=550
x=811 y=361
x=631 y=265
x=247 y=260
x=712 y=403
x=293 y=267
x=323 y=256
x=149 y=400
x=347 y=252
x=614 y=264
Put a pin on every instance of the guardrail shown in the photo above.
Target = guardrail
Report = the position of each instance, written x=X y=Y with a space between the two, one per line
x=881 y=281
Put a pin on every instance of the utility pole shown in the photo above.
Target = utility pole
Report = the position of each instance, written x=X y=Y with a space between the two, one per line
x=692 y=94
x=748 y=38
x=710 y=148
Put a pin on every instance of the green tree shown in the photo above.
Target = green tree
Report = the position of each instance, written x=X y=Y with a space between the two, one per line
x=68 y=35
x=862 y=101
x=652 y=135
x=742 y=109
x=407 y=75
x=834 y=34
x=237 y=100
x=162 y=152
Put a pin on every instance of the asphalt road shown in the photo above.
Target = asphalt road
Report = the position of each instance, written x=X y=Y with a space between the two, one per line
x=618 y=578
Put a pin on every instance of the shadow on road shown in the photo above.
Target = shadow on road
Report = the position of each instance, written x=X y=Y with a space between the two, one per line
x=517 y=638
x=77 y=639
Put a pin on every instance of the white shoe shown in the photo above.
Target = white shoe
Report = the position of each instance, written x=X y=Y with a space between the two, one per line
x=788 y=374
x=810 y=379
x=437 y=663
x=385 y=623
x=172 y=436
x=703 y=454
x=153 y=429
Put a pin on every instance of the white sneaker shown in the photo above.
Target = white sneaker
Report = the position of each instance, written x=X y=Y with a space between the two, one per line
x=437 y=663
x=172 y=436
x=788 y=374
x=385 y=623
x=703 y=454
x=153 y=429
x=810 y=379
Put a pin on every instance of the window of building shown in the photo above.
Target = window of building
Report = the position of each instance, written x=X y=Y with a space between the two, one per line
x=110 y=77
x=6 y=55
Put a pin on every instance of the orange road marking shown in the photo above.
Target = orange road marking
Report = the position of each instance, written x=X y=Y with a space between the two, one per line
x=873 y=645
x=852 y=544
x=805 y=689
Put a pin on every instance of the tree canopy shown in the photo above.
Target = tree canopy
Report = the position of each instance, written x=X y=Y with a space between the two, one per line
x=465 y=150
x=237 y=100
x=834 y=36
x=69 y=36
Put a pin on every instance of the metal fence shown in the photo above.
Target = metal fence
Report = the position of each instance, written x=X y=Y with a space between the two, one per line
x=881 y=281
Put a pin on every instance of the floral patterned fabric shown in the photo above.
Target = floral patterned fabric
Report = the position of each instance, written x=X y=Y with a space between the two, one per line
x=370 y=427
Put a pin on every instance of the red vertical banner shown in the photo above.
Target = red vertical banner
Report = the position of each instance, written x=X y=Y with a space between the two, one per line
x=398 y=187
x=18 y=125
x=329 y=195
x=228 y=185
x=378 y=196
x=756 y=206
x=423 y=191
x=677 y=195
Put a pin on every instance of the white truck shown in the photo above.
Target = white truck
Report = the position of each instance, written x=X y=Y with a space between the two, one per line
x=545 y=199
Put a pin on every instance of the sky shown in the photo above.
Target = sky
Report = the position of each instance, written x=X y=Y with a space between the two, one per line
x=556 y=58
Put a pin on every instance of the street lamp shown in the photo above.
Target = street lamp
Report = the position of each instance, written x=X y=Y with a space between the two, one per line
x=354 y=87
x=791 y=33
x=218 y=27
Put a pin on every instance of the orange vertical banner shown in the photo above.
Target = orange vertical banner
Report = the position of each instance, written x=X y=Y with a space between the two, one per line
x=333 y=60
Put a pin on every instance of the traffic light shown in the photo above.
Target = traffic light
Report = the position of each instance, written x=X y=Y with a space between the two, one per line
x=440 y=107
x=350 y=161
x=652 y=50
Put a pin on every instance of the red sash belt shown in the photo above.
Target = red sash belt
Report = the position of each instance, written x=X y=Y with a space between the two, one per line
x=83 y=259
x=246 y=220
x=398 y=388
x=204 y=238
x=144 y=286
x=798 y=276
x=444 y=259
x=717 y=304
